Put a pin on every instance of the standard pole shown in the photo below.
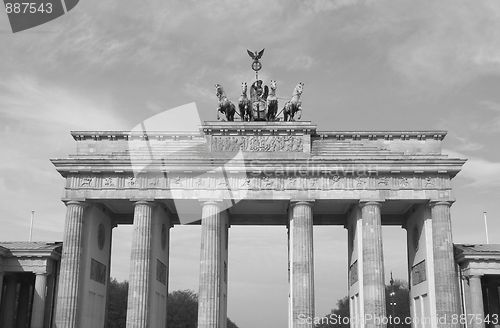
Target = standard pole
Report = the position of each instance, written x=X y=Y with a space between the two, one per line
x=31 y=225
x=486 y=227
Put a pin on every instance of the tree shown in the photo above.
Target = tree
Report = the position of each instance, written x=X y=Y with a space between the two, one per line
x=401 y=297
x=339 y=317
x=117 y=304
x=182 y=307
x=182 y=310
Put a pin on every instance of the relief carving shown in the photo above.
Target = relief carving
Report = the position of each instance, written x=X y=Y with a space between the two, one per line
x=161 y=272
x=246 y=182
x=98 y=271
x=131 y=182
x=200 y=182
x=223 y=182
x=268 y=183
x=176 y=181
x=418 y=273
x=360 y=183
x=292 y=182
x=257 y=143
x=86 y=181
x=429 y=182
x=335 y=180
x=383 y=181
x=108 y=182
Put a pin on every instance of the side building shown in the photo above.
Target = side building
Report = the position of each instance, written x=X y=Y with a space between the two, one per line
x=29 y=274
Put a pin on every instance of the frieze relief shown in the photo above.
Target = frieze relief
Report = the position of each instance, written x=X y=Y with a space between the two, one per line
x=109 y=182
x=257 y=144
x=429 y=182
x=382 y=182
x=154 y=182
x=404 y=183
x=87 y=181
x=336 y=182
x=241 y=181
x=131 y=182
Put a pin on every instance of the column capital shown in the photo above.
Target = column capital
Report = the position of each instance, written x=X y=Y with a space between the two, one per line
x=448 y=203
x=215 y=202
x=81 y=203
x=148 y=202
x=309 y=203
x=363 y=203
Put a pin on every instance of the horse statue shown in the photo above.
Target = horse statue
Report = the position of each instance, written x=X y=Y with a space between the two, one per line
x=294 y=105
x=272 y=102
x=244 y=104
x=225 y=105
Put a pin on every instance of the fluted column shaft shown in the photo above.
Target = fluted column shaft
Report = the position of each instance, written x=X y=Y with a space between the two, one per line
x=38 y=311
x=446 y=282
x=9 y=307
x=302 y=265
x=69 y=278
x=210 y=267
x=373 y=265
x=476 y=293
x=140 y=258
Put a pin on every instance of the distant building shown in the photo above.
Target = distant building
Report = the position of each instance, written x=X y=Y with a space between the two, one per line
x=29 y=274
x=479 y=272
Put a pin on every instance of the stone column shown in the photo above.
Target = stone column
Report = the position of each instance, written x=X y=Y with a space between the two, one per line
x=476 y=294
x=140 y=264
x=211 y=271
x=494 y=305
x=373 y=265
x=50 y=301
x=445 y=278
x=301 y=265
x=23 y=305
x=38 y=310
x=9 y=307
x=69 y=278
x=1 y=285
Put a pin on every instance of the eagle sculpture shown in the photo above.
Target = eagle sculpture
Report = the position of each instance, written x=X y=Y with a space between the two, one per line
x=256 y=55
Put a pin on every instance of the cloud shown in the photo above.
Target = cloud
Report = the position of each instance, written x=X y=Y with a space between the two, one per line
x=452 y=42
x=321 y=6
x=27 y=101
x=466 y=144
x=494 y=107
x=35 y=120
x=491 y=105
x=482 y=172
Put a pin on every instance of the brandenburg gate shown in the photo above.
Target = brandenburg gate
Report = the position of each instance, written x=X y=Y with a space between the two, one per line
x=256 y=173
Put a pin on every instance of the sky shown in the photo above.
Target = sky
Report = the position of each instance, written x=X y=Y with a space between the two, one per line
x=366 y=65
